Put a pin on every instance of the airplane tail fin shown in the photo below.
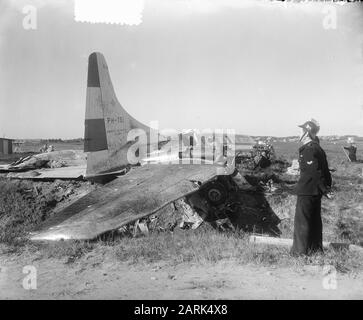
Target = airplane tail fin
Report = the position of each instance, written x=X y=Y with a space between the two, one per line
x=107 y=123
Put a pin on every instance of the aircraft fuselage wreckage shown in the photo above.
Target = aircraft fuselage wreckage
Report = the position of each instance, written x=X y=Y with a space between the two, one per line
x=173 y=165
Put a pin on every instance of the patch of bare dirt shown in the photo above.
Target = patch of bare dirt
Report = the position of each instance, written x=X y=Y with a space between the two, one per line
x=99 y=277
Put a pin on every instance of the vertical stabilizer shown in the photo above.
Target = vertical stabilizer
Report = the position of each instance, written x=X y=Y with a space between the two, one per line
x=107 y=123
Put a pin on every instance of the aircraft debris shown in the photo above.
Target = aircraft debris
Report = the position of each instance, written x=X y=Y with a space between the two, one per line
x=140 y=227
x=66 y=173
x=269 y=186
x=65 y=164
x=57 y=164
x=47 y=160
x=263 y=153
x=189 y=216
x=260 y=156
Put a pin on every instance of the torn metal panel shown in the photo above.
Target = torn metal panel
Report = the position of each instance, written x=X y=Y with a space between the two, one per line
x=74 y=172
x=188 y=214
x=141 y=192
x=140 y=228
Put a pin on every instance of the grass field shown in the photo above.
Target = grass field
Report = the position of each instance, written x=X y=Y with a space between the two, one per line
x=24 y=204
x=122 y=266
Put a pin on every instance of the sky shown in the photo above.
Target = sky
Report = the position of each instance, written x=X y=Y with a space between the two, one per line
x=258 y=67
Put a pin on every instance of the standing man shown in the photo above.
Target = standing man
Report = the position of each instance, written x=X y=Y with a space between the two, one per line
x=352 y=150
x=315 y=181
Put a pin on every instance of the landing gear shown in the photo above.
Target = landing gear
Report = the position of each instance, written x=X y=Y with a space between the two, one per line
x=215 y=193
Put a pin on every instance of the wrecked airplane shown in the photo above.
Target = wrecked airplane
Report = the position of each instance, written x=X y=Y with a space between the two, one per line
x=172 y=166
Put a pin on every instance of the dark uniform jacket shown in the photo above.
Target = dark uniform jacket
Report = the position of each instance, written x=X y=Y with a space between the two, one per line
x=315 y=178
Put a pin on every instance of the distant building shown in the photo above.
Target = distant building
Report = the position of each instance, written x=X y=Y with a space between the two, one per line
x=6 y=146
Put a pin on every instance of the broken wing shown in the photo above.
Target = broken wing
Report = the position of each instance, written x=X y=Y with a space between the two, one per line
x=141 y=192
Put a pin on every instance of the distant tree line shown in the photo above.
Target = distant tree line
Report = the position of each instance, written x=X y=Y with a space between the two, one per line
x=60 y=140
x=50 y=140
